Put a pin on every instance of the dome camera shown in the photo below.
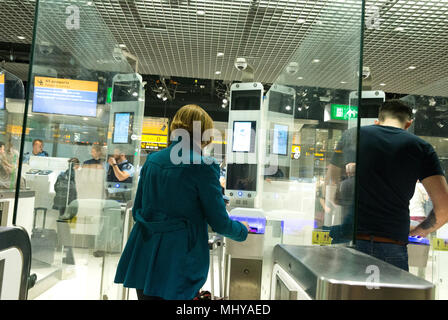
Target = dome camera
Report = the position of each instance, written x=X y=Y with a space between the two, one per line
x=45 y=48
x=292 y=68
x=241 y=64
x=365 y=72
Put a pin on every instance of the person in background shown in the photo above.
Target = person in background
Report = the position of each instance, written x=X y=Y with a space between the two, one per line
x=6 y=169
x=38 y=151
x=167 y=254
x=65 y=193
x=119 y=169
x=97 y=157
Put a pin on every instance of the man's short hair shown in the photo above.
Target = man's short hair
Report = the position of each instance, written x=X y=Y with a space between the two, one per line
x=2 y=144
x=37 y=140
x=395 y=109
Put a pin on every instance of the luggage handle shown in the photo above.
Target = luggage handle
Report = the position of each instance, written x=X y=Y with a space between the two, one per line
x=45 y=216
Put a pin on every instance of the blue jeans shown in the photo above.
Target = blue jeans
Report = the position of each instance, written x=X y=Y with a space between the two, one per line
x=394 y=254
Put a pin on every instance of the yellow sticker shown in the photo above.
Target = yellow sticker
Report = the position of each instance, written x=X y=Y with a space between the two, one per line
x=321 y=238
x=440 y=244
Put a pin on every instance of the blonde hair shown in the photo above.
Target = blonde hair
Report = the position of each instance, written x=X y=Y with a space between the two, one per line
x=187 y=115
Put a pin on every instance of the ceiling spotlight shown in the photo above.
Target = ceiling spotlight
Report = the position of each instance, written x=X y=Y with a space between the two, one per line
x=202 y=86
x=165 y=98
x=122 y=45
x=220 y=54
x=299 y=78
x=21 y=37
x=225 y=100
x=316 y=60
x=411 y=67
x=300 y=108
x=440 y=124
x=200 y=12
x=89 y=3
x=307 y=107
x=301 y=21
x=400 y=29
x=382 y=84
x=160 y=95
x=217 y=72
x=343 y=82
x=288 y=108
x=135 y=94
x=432 y=102
x=414 y=111
x=223 y=105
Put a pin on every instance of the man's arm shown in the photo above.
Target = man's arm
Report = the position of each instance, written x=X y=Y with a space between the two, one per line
x=437 y=189
x=121 y=175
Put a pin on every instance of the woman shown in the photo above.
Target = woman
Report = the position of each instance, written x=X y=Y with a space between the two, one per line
x=167 y=255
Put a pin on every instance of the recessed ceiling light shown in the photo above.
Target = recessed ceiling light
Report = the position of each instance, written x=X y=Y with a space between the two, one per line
x=299 y=78
x=400 y=29
x=288 y=108
x=200 y=12
x=411 y=67
x=21 y=37
x=316 y=60
x=220 y=54
x=301 y=20
x=343 y=82
x=89 y=3
x=122 y=45
x=217 y=72
x=382 y=84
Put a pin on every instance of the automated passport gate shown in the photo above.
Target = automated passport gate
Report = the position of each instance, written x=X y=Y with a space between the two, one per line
x=341 y=273
x=15 y=263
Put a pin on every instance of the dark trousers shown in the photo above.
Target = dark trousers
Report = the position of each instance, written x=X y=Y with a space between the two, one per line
x=394 y=254
x=141 y=296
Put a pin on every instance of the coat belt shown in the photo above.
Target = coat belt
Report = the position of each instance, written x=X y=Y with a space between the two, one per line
x=165 y=226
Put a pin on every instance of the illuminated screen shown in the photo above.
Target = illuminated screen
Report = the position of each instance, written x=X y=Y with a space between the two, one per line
x=65 y=96
x=280 y=140
x=241 y=177
x=2 y=91
x=122 y=127
x=244 y=136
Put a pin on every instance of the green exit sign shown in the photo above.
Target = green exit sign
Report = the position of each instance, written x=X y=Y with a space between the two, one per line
x=109 y=95
x=343 y=112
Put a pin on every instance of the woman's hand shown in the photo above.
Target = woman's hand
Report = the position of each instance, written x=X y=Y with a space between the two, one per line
x=246 y=225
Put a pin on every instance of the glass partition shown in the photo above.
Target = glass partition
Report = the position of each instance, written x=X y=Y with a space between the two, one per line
x=81 y=152
x=12 y=97
x=311 y=131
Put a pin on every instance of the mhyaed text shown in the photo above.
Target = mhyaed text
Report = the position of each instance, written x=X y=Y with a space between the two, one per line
x=230 y=309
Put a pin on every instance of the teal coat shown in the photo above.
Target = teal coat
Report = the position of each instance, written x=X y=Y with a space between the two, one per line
x=167 y=252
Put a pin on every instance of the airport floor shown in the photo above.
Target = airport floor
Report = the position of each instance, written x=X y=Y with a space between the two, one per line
x=82 y=281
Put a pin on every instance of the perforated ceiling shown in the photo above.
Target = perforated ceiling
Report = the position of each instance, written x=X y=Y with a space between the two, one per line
x=174 y=38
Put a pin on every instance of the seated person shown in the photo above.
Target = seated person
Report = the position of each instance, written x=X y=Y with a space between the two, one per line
x=97 y=157
x=119 y=169
x=38 y=151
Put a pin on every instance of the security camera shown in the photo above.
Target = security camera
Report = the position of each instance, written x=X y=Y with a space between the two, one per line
x=241 y=64
x=365 y=72
x=292 y=68
x=45 y=48
x=117 y=54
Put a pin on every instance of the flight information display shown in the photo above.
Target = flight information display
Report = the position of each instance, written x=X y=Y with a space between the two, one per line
x=280 y=140
x=122 y=127
x=2 y=91
x=65 y=96
x=244 y=136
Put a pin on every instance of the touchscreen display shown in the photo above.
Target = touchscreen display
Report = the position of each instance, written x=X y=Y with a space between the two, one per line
x=122 y=127
x=241 y=177
x=244 y=136
x=280 y=140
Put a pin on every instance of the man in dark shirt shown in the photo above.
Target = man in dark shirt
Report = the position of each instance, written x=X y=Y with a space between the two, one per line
x=391 y=160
